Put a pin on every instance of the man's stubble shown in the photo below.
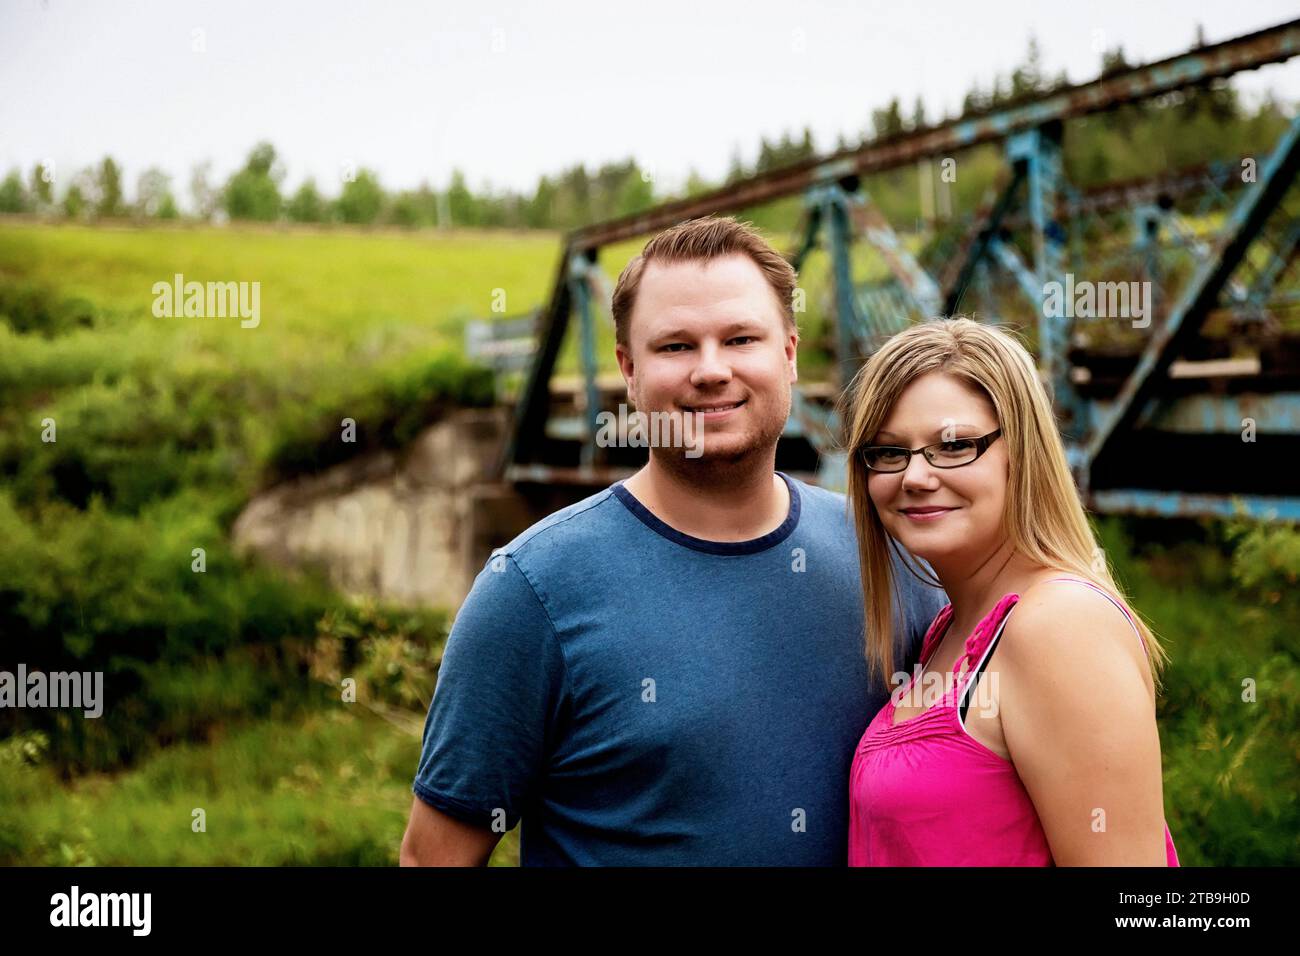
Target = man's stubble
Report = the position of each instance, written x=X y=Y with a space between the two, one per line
x=731 y=466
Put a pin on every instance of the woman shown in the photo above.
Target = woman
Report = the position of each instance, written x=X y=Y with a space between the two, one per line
x=1029 y=737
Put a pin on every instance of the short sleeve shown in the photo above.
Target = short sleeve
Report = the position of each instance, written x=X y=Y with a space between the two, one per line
x=921 y=602
x=496 y=702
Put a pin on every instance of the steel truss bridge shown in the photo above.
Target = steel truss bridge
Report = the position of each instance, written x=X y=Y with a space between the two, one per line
x=1154 y=411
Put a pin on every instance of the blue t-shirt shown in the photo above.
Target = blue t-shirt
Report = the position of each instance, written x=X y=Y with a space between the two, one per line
x=638 y=696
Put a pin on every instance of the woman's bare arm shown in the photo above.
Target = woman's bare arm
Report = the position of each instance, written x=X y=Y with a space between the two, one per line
x=1079 y=720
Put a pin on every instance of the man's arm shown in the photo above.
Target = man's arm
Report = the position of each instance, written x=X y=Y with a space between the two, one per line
x=490 y=723
x=433 y=838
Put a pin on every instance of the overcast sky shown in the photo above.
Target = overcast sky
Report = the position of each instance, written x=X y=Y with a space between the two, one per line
x=509 y=91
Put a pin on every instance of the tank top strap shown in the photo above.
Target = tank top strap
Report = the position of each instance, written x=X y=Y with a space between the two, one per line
x=935 y=634
x=979 y=639
x=1106 y=594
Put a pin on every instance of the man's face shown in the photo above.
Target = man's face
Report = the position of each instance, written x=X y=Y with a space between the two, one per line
x=710 y=337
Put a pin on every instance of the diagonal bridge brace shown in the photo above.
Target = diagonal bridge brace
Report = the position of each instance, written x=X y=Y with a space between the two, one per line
x=1202 y=292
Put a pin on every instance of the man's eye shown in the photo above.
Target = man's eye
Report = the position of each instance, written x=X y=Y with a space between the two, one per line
x=744 y=338
x=672 y=345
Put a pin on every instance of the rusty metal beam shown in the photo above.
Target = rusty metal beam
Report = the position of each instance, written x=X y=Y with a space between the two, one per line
x=1202 y=292
x=1173 y=504
x=918 y=284
x=1272 y=45
x=1125 y=194
x=1197 y=66
x=978 y=247
x=527 y=430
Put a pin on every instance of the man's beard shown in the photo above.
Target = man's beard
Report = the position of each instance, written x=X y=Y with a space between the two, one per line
x=728 y=465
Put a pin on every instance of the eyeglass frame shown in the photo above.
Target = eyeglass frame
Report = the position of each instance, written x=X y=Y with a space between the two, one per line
x=981 y=446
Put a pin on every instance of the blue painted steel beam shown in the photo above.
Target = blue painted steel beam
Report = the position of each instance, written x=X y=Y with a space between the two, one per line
x=980 y=245
x=1172 y=504
x=835 y=214
x=1007 y=256
x=528 y=425
x=812 y=225
x=580 y=279
x=1200 y=250
x=1199 y=65
x=916 y=283
x=1202 y=292
x=1039 y=151
x=1271 y=45
x=1278 y=262
x=1205 y=414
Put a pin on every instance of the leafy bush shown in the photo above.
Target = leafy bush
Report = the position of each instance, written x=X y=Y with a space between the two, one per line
x=164 y=427
x=390 y=409
x=1219 y=596
x=391 y=653
x=27 y=307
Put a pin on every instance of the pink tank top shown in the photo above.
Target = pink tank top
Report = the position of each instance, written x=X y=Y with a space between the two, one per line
x=927 y=793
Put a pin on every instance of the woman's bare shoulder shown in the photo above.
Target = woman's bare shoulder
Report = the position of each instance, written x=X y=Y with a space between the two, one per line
x=1059 y=629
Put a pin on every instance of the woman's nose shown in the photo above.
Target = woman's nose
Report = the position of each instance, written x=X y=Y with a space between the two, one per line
x=919 y=473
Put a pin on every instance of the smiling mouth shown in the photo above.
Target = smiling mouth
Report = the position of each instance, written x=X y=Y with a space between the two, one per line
x=925 y=511
x=717 y=407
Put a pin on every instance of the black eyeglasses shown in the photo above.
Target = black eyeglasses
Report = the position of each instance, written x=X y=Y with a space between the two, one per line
x=891 y=459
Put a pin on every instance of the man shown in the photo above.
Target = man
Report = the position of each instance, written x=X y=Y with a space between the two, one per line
x=672 y=671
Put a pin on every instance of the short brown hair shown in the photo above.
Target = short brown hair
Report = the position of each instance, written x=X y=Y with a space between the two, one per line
x=700 y=240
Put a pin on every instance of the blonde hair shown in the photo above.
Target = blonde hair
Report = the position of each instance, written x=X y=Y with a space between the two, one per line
x=1044 y=518
x=709 y=237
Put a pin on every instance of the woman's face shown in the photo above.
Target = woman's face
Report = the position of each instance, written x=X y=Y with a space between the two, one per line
x=937 y=513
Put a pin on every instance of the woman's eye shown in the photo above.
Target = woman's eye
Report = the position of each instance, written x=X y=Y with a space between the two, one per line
x=884 y=456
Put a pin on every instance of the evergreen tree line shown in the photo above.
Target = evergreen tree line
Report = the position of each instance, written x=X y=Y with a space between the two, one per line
x=1097 y=150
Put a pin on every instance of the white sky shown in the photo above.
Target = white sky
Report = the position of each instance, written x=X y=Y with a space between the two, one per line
x=509 y=91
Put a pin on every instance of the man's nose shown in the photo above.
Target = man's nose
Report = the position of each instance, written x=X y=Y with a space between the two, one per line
x=711 y=367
